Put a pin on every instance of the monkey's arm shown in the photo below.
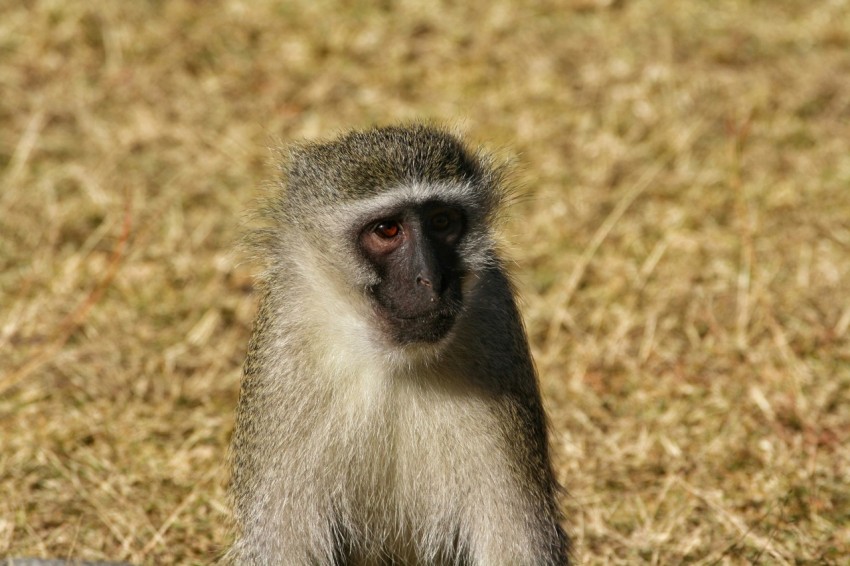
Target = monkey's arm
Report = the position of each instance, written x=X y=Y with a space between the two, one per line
x=279 y=505
x=525 y=522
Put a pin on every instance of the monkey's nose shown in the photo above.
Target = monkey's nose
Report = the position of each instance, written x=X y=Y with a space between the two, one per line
x=427 y=288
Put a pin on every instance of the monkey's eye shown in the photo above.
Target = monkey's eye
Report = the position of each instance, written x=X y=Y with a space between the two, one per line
x=447 y=223
x=440 y=221
x=388 y=229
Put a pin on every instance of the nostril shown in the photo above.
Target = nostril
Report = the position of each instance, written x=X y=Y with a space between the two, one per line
x=423 y=281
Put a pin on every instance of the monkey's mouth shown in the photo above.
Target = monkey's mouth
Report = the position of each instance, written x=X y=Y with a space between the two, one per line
x=430 y=326
x=426 y=316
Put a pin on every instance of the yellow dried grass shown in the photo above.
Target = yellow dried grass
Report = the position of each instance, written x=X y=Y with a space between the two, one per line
x=684 y=253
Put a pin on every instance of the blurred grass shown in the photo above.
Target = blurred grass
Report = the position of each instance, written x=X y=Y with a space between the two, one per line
x=684 y=252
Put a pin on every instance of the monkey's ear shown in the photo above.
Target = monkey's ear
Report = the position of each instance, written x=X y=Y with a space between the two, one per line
x=496 y=172
x=300 y=167
x=292 y=159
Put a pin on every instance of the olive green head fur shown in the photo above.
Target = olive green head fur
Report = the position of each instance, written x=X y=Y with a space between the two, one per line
x=380 y=158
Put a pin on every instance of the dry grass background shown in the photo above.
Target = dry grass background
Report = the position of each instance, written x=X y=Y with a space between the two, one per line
x=684 y=252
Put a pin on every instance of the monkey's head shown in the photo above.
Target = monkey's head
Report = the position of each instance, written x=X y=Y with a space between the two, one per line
x=399 y=219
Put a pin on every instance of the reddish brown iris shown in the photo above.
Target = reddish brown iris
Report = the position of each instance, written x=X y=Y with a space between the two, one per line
x=388 y=229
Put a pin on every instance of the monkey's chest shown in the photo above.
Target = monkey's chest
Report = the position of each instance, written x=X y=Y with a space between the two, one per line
x=414 y=454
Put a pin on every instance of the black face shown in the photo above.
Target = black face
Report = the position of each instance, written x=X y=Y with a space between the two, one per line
x=415 y=255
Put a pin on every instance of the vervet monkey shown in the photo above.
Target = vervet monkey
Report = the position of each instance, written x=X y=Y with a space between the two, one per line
x=390 y=412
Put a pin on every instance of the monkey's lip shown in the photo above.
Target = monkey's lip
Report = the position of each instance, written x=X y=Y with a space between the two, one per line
x=440 y=314
x=426 y=316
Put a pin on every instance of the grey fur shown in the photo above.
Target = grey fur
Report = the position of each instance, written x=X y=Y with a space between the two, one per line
x=349 y=450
